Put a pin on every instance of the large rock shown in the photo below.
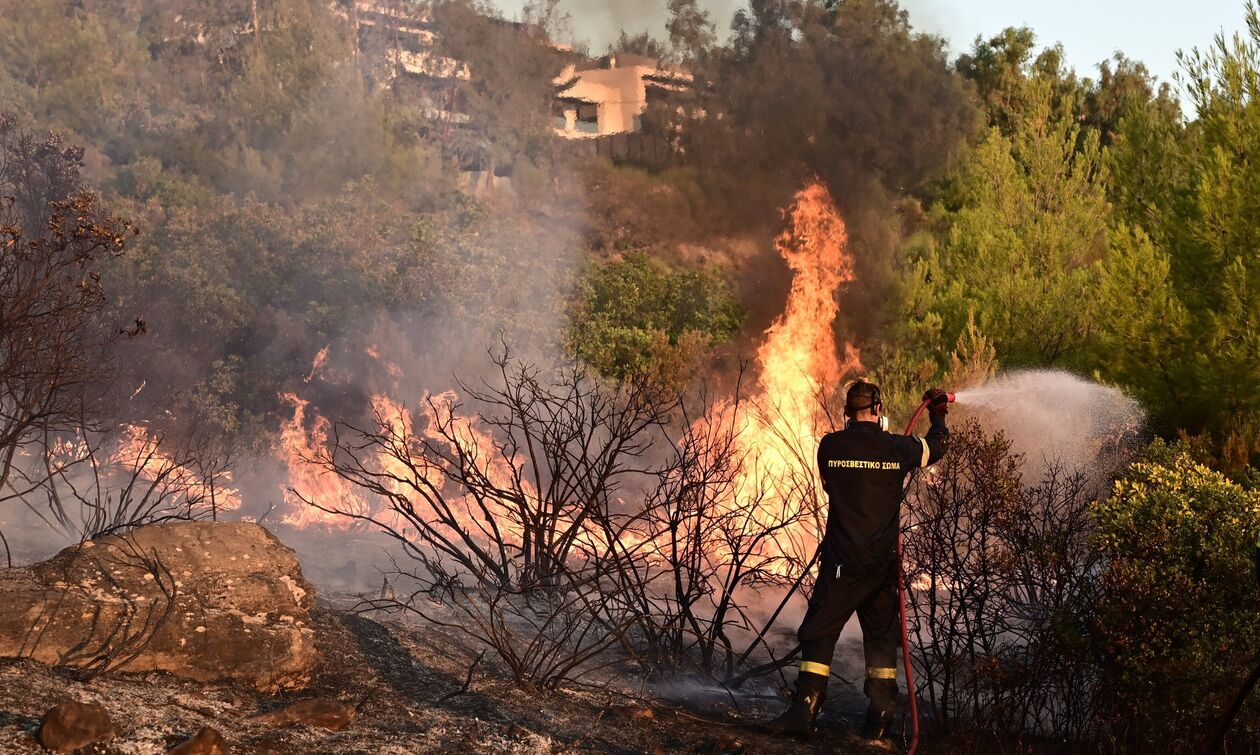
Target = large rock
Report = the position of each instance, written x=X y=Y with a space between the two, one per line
x=73 y=726
x=204 y=600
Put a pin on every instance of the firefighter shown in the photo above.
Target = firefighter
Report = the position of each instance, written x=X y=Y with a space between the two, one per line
x=863 y=469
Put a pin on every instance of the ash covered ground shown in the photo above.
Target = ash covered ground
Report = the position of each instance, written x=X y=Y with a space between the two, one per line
x=407 y=682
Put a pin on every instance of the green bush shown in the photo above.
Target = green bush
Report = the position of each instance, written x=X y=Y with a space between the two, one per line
x=1179 y=618
x=637 y=315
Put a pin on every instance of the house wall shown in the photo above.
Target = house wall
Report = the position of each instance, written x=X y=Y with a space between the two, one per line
x=619 y=92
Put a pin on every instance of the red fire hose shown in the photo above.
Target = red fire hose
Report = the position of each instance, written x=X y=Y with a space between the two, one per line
x=905 y=631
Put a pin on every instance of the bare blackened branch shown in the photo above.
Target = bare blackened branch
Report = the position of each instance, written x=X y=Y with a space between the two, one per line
x=1004 y=580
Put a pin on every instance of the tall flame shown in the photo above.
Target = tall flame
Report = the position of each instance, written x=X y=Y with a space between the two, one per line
x=317 y=366
x=298 y=446
x=798 y=359
x=799 y=366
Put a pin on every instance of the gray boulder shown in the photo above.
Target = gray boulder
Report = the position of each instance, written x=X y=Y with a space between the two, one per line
x=203 y=600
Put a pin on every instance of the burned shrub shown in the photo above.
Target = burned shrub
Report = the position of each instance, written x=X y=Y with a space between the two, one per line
x=56 y=456
x=510 y=516
x=54 y=240
x=91 y=483
x=718 y=530
x=567 y=517
x=1004 y=585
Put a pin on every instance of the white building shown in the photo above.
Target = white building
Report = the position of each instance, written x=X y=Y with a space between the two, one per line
x=611 y=98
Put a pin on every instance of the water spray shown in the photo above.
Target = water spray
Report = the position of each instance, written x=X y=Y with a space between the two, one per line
x=901 y=596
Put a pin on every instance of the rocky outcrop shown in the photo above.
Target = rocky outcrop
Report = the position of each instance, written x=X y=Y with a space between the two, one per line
x=203 y=600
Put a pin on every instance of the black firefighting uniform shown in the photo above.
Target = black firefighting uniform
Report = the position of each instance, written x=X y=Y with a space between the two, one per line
x=863 y=470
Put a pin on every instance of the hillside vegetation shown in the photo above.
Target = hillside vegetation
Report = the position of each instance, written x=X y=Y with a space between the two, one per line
x=219 y=194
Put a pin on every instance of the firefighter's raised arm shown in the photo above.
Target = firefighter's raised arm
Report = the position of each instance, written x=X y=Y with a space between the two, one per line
x=937 y=438
x=926 y=451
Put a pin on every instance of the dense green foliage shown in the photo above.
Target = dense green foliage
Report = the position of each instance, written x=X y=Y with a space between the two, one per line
x=1177 y=615
x=241 y=293
x=1092 y=228
x=804 y=89
x=1024 y=240
x=1191 y=188
x=289 y=197
x=636 y=315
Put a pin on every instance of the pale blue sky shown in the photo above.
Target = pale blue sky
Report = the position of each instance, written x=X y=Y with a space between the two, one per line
x=1091 y=30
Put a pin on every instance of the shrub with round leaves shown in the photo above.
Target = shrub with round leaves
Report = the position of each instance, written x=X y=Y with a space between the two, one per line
x=1179 y=616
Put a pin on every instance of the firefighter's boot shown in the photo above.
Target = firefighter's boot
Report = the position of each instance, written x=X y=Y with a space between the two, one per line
x=799 y=720
x=878 y=722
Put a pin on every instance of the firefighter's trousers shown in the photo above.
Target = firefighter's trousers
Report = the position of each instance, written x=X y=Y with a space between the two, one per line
x=872 y=593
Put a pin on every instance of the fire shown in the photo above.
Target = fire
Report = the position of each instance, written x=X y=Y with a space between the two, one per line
x=460 y=437
x=306 y=437
x=140 y=453
x=395 y=372
x=798 y=359
x=317 y=366
x=799 y=366
x=297 y=447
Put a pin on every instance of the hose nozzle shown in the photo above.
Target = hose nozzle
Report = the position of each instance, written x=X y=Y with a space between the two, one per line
x=931 y=401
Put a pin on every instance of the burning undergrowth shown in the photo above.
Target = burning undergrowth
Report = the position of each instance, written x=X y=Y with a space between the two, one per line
x=584 y=529
x=580 y=527
x=568 y=516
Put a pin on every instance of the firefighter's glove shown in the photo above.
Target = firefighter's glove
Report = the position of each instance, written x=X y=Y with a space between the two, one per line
x=937 y=401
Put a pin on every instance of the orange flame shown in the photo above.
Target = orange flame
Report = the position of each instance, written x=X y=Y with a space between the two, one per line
x=317 y=366
x=297 y=447
x=443 y=427
x=798 y=359
x=391 y=368
x=799 y=367
x=140 y=453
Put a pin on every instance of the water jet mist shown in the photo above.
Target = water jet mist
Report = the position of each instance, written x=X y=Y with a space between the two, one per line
x=1054 y=417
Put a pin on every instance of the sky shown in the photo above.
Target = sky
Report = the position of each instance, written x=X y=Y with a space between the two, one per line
x=1090 y=30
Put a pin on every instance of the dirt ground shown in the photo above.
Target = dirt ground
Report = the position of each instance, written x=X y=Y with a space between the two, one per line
x=407 y=683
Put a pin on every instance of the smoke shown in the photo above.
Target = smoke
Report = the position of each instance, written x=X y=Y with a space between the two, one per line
x=599 y=24
x=328 y=229
x=1057 y=418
